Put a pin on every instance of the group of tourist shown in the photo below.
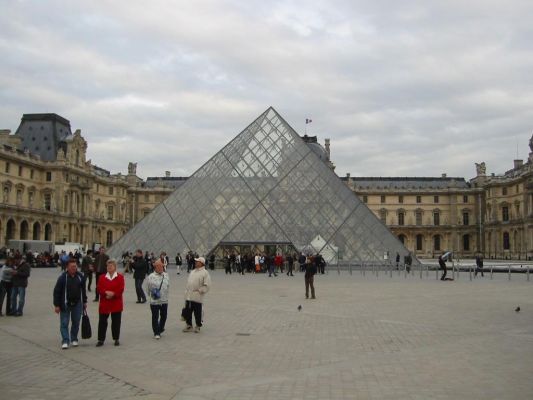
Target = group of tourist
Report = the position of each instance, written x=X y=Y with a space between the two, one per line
x=70 y=295
x=14 y=281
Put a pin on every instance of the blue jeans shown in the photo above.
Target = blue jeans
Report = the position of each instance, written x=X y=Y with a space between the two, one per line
x=19 y=292
x=71 y=314
x=159 y=317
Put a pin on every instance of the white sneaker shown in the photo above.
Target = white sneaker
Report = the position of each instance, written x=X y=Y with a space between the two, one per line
x=157 y=337
x=64 y=346
x=74 y=343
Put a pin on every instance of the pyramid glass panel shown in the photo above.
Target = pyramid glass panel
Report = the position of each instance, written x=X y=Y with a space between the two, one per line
x=266 y=186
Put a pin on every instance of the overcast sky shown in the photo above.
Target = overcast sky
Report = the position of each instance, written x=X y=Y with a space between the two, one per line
x=402 y=88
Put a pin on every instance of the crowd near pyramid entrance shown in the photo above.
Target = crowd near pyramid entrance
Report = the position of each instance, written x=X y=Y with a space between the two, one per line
x=266 y=190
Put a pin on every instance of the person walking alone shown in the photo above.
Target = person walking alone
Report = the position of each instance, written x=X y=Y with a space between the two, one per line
x=70 y=299
x=140 y=270
x=310 y=271
x=158 y=284
x=198 y=284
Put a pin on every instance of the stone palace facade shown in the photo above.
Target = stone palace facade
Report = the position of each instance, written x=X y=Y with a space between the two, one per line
x=50 y=191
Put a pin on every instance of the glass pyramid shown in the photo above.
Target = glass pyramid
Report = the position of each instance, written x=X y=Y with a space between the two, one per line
x=266 y=186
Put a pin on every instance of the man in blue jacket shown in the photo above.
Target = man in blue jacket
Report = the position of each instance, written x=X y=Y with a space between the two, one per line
x=70 y=299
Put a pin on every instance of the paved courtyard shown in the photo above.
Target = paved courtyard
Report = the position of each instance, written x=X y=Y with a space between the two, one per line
x=364 y=337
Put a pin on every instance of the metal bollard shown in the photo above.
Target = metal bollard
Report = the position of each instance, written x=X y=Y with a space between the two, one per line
x=390 y=270
x=436 y=273
x=420 y=271
x=458 y=270
x=404 y=271
x=377 y=272
x=427 y=271
x=509 y=273
x=453 y=272
x=364 y=271
x=470 y=271
x=527 y=273
x=491 y=272
x=350 y=268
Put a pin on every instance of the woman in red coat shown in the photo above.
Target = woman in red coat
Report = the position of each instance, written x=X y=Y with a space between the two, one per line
x=110 y=288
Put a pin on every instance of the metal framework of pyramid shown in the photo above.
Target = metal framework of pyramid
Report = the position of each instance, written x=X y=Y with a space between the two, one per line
x=266 y=186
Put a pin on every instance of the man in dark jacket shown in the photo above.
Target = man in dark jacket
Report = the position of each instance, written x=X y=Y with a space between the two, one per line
x=70 y=299
x=310 y=271
x=19 y=281
x=140 y=269
x=87 y=267
x=100 y=268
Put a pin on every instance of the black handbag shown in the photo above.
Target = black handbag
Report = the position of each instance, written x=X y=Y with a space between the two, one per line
x=186 y=313
x=86 y=331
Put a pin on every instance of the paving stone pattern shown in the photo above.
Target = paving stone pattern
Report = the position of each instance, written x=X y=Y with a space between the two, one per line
x=364 y=337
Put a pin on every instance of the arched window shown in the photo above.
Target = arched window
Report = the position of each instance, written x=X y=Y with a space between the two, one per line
x=10 y=229
x=506 y=241
x=48 y=232
x=23 y=230
x=402 y=238
x=36 y=231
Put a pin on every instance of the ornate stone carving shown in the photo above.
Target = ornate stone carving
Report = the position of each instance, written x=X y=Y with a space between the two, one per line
x=481 y=169
x=132 y=168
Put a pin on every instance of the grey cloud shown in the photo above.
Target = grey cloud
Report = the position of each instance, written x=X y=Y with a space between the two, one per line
x=410 y=88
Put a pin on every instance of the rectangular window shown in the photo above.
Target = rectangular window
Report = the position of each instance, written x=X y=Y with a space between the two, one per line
x=466 y=217
x=419 y=199
x=436 y=242
x=47 y=201
x=31 y=174
x=401 y=219
x=504 y=191
x=48 y=176
x=20 y=170
x=110 y=189
x=436 y=219
x=418 y=216
x=466 y=242
x=7 y=168
x=400 y=199
x=435 y=199
x=419 y=242
x=505 y=213
x=365 y=199
x=110 y=212
x=465 y=199
x=383 y=216
x=382 y=199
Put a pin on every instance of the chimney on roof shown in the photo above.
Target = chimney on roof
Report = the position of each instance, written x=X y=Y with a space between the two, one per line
x=443 y=176
x=167 y=174
x=518 y=163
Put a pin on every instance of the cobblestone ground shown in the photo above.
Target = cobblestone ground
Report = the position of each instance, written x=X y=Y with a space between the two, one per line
x=364 y=337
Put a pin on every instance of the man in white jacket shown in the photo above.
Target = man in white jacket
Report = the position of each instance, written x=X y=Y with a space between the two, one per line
x=198 y=285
